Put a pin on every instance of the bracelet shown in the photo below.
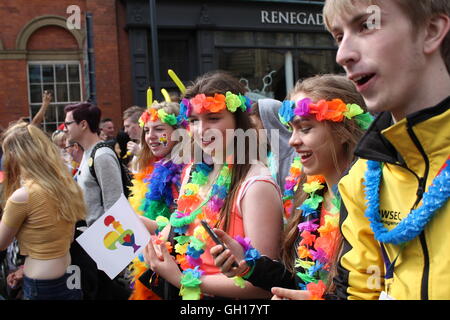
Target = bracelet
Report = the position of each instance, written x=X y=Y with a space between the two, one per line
x=249 y=273
x=190 y=284
x=243 y=273
x=250 y=256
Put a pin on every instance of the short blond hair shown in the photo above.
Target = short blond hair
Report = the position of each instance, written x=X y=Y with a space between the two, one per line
x=418 y=11
x=133 y=113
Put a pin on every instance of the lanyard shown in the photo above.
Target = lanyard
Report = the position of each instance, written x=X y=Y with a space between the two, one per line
x=388 y=264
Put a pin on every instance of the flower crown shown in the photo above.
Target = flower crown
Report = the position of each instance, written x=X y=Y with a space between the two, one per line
x=335 y=110
x=202 y=103
x=153 y=115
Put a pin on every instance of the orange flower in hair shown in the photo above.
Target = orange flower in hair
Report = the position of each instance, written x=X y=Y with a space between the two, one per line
x=336 y=109
x=217 y=103
x=153 y=114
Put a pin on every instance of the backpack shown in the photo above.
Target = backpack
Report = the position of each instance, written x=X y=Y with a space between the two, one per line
x=124 y=172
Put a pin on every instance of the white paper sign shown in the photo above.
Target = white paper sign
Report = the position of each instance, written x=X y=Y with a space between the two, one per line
x=116 y=238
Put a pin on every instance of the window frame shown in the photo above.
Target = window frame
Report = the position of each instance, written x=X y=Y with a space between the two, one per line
x=45 y=124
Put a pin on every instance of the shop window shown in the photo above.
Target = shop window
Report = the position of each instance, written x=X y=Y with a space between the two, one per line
x=312 y=39
x=62 y=80
x=261 y=59
x=260 y=70
x=177 y=51
x=172 y=55
x=279 y=39
x=309 y=63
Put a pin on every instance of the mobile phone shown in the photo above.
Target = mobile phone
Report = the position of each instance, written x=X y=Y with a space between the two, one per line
x=212 y=234
x=216 y=239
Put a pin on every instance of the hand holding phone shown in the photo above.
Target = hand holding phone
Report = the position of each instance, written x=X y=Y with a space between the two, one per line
x=215 y=238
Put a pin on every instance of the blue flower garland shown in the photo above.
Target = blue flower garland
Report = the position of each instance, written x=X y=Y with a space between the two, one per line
x=410 y=227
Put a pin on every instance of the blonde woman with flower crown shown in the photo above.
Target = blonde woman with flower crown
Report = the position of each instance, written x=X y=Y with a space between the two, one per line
x=327 y=118
x=154 y=192
x=241 y=198
x=43 y=203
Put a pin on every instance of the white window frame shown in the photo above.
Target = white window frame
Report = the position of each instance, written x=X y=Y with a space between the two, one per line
x=46 y=123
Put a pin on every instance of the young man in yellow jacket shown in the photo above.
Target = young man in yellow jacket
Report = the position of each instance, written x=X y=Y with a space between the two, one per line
x=395 y=215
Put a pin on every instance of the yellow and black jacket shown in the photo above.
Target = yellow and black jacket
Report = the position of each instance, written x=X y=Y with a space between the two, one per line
x=412 y=151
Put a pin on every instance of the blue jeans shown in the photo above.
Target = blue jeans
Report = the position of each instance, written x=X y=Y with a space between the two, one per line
x=55 y=289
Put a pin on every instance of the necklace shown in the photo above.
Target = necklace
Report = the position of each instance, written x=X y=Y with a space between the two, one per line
x=410 y=227
x=318 y=240
x=191 y=209
x=153 y=193
x=291 y=186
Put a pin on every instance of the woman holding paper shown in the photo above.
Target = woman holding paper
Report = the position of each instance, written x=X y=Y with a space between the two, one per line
x=43 y=203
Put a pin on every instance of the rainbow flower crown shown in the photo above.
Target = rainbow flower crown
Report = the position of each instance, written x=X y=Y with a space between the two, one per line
x=202 y=103
x=153 y=115
x=334 y=110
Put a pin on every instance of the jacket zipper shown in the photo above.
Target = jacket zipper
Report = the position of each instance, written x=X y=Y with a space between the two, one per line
x=420 y=191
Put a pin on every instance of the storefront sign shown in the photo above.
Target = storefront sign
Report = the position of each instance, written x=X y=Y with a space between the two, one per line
x=291 y=18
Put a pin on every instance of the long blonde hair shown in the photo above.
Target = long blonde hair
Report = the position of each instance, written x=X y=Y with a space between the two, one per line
x=30 y=154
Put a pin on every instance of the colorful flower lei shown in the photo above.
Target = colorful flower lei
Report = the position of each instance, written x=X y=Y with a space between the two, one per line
x=202 y=103
x=335 y=110
x=410 y=227
x=291 y=185
x=152 y=196
x=152 y=114
x=318 y=243
x=191 y=209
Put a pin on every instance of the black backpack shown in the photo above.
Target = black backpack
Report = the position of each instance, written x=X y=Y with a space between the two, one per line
x=125 y=173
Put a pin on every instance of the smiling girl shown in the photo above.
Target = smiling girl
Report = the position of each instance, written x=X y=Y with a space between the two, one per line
x=327 y=118
x=241 y=198
x=155 y=186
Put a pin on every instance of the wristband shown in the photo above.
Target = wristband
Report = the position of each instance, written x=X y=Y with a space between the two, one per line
x=190 y=284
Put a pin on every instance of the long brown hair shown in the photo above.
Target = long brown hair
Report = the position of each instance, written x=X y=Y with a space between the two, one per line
x=29 y=153
x=326 y=87
x=221 y=82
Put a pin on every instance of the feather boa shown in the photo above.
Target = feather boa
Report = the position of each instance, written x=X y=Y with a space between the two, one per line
x=163 y=186
x=139 y=188
x=153 y=194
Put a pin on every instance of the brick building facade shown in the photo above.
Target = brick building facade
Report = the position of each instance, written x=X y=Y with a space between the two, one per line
x=38 y=52
x=268 y=44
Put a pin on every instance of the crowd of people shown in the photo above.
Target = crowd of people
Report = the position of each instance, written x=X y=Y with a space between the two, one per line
x=347 y=201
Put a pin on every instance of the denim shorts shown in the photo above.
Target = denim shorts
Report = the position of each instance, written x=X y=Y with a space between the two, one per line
x=55 y=289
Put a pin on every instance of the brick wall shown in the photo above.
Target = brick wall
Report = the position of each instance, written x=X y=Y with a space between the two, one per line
x=110 y=46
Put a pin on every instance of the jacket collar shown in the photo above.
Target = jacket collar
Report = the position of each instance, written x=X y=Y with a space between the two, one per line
x=392 y=143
